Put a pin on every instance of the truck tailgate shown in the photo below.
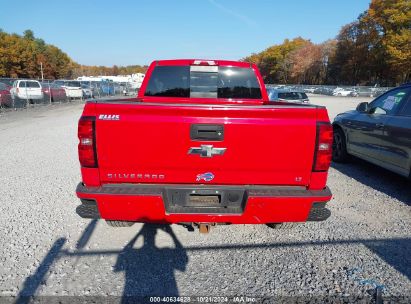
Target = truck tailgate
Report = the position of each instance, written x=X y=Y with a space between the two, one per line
x=150 y=143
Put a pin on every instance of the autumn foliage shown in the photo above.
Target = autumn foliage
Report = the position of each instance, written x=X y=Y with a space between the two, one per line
x=20 y=56
x=23 y=56
x=374 y=49
x=89 y=70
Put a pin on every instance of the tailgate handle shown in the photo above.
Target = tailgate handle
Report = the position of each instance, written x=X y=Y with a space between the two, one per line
x=207 y=132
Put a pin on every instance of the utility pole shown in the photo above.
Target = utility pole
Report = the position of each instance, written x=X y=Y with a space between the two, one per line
x=41 y=68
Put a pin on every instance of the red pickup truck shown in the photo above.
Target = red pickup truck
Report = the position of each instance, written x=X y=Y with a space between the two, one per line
x=202 y=145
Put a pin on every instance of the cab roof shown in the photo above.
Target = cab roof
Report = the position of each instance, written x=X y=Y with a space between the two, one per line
x=209 y=62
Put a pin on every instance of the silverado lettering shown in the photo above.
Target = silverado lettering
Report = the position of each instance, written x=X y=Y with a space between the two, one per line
x=226 y=154
x=134 y=175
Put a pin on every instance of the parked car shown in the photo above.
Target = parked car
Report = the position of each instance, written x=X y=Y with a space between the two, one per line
x=88 y=91
x=342 y=92
x=5 y=96
x=93 y=86
x=128 y=90
x=53 y=92
x=362 y=92
x=217 y=118
x=379 y=131
x=324 y=90
x=30 y=90
x=286 y=95
x=72 y=87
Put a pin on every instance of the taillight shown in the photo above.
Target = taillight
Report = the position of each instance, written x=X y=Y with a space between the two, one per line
x=323 y=147
x=87 y=145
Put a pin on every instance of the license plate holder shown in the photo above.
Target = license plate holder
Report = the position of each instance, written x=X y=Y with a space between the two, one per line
x=199 y=199
x=203 y=200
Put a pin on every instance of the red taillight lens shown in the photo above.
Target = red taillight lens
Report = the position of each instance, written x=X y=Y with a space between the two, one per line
x=87 y=145
x=323 y=147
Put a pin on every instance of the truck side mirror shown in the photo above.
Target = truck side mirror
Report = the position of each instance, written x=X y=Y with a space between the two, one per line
x=362 y=107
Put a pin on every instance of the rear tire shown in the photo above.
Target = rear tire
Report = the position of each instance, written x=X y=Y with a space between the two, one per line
x=282 y=225
x=119 y=223
x=340 y=154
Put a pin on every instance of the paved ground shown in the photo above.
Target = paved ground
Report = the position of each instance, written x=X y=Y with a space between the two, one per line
x=48 y=250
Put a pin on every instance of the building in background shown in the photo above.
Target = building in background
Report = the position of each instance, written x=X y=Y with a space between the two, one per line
x=133 y=81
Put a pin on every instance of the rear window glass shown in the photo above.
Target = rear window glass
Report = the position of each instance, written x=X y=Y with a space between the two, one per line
x=32 y=84
x=169 y=81
x=73 y=84
x=203 y=82
x=238 y=83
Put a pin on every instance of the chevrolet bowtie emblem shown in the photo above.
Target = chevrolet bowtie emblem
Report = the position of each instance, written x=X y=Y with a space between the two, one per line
x=206 y=151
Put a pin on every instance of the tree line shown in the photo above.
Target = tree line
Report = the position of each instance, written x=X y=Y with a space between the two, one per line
x=91 y=70
x=27 y=56
x=374 y=49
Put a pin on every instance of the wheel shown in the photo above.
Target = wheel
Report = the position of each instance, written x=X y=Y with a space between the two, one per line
x=282 y=225
x=119 y=223
x=340 y=154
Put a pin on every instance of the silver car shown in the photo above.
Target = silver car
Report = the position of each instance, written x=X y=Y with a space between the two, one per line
x=287 y=95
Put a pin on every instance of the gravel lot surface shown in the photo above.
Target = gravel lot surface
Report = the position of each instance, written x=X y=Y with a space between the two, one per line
x=46 y=249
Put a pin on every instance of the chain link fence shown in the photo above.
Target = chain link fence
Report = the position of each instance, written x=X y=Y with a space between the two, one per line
x=23 y=93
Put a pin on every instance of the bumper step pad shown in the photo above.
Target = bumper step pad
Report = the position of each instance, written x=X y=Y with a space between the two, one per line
x=318 y=213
